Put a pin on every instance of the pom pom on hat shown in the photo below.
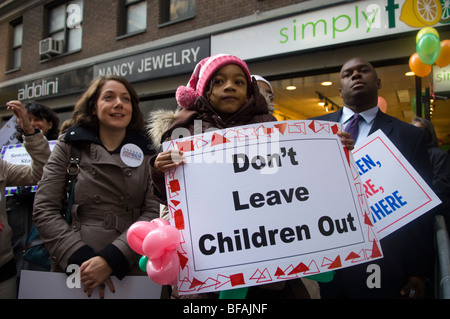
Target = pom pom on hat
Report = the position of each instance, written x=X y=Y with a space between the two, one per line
x=186 y=96
x=203 y=72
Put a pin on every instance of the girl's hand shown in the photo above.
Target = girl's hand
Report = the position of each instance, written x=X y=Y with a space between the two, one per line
x=346 y=140
x=168 y=160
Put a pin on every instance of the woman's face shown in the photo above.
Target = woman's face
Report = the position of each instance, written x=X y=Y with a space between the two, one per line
x=40 y=123
x=114 y=108
x=229 y=91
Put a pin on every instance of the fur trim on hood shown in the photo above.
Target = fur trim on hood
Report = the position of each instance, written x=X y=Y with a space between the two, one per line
x=159 y=122
x=269 y=102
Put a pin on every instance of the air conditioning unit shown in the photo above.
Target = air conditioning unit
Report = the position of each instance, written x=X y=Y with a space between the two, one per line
x=50 y=47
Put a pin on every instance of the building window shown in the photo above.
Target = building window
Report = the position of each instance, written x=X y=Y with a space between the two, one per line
x=177 y=10
x=65 y=24
x=134 y=17
x=17 y=35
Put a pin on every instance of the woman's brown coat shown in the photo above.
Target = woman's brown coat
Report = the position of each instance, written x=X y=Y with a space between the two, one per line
x=109 y=197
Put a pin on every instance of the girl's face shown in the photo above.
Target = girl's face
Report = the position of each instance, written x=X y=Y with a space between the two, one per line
x=229 y=91
x=114 y=107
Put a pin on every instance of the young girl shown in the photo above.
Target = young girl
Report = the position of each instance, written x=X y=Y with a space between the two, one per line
x=221 y=94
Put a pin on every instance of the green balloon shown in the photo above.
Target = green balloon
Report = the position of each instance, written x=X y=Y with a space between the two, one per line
x=143 y=263
x=428 y=48
x=322 y=277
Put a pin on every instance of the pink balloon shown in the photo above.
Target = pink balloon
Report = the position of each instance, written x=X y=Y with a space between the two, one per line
x=160 y=222
x=139 y=230
x=137 y=233
x=159 y=240
x=164 y=270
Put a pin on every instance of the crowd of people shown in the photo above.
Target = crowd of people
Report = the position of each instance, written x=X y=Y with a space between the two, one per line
x=113 y=189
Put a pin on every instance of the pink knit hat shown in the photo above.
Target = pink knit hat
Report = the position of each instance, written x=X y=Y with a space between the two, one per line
x=203 y=72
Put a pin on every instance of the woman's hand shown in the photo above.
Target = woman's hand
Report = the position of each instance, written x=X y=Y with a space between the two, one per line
x=94 y=273
x=22 y=116
x=346 y=140
x=167 y=160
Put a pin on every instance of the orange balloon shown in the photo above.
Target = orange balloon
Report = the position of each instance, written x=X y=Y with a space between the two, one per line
x=418 y=67
x=444 y=57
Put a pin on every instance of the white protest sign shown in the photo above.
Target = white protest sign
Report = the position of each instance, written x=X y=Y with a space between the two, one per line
x=396 y=193
x=54 y=285
x=8 y=132
x=267 y=202
x=18 y=155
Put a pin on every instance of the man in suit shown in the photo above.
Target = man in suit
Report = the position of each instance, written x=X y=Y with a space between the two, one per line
x=408 y=253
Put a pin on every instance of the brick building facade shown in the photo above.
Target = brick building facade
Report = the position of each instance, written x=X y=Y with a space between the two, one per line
x=101 y=31
x=287 y=41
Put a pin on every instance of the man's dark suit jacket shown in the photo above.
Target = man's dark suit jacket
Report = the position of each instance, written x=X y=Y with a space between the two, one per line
x=409 y=250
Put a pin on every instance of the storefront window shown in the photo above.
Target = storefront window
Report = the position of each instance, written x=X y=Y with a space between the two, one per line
x=298 y=98
x=311 y=98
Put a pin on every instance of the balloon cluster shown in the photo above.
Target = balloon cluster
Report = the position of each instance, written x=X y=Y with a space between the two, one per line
x=429 y=50
x=157 y=242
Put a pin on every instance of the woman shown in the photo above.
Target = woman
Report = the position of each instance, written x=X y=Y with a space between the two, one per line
x=112 y=189
x=43 y=118
x=15 y=175
x=19 y=206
